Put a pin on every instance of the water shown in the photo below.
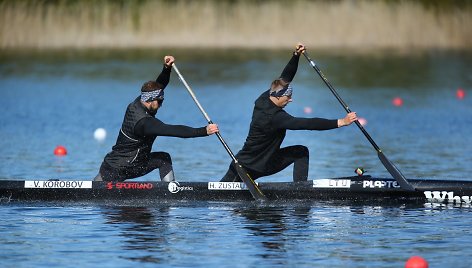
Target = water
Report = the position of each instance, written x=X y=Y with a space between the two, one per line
x=52 y=98
x=232 y=235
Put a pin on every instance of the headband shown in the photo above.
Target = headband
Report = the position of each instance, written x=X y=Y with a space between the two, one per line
x=285 y=91
x=157 y=94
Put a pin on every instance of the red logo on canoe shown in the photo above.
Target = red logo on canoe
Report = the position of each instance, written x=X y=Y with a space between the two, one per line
x=130 y=185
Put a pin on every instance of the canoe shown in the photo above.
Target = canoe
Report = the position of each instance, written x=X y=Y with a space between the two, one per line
x=357 y=189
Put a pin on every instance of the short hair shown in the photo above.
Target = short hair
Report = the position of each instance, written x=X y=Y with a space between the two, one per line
x=278 y=84
x=151 y=86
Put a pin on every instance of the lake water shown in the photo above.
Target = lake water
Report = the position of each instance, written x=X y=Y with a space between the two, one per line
x=60 y=98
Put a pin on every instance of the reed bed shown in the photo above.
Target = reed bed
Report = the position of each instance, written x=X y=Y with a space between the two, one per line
x=225 y=24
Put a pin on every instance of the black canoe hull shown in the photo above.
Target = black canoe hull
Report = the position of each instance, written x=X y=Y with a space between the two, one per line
x=364 y=188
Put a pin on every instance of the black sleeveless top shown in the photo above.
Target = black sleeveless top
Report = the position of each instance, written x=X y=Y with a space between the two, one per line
x=131 y=149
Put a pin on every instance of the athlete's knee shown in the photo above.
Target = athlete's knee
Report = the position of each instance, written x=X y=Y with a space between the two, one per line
x=166 y=157
x=161 y=156
x=302 y=150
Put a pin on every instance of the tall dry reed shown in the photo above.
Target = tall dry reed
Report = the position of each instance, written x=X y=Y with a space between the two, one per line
x=212 y=23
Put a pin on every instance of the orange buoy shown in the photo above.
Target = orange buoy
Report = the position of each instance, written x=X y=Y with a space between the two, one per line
x=60 y=150
x=416 y=262
x=397 y=101
x=460 y=93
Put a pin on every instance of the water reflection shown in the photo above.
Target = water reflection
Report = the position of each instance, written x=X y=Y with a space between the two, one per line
x=273 y=227
x=313 y=232
x=209 y=234
x=142 y=230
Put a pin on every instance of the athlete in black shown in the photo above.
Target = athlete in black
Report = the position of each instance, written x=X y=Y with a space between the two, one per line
x=261 y=154
x=131 y=156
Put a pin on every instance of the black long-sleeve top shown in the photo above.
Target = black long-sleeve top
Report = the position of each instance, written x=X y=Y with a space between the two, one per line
x=164 y=77
x=269 y=124
x=290 y=69
x=154 y=127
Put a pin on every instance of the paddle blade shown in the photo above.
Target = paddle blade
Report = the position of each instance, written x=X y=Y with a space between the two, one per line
x=395 y=172
x=251 y=185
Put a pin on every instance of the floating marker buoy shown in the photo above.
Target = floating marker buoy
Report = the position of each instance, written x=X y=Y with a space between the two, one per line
x=60 y=150
x=307 y=110
x=359 y=171
x=397 y=101
x=460 y=93
x=100 y=134
x=416 y=262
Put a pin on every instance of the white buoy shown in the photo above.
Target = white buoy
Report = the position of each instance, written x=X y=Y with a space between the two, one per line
x=100 y=134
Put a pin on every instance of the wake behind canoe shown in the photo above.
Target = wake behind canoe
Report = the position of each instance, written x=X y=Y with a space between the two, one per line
x=358 y=188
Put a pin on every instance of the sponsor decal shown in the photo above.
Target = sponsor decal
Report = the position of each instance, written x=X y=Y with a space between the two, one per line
x=330 y=183
x=235 y=186
x=174 y=187
x=448 y=197
x=130 y=185
x=58 y=184
x=380 y=184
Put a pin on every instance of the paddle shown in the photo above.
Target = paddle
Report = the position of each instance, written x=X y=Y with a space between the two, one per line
x=392 y=169
x=251 y=185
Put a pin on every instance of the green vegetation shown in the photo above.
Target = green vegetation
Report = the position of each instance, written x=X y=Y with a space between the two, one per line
x=363 y=24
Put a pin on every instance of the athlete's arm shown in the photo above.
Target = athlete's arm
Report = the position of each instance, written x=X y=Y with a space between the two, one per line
x=155 y=127
x=283 y=120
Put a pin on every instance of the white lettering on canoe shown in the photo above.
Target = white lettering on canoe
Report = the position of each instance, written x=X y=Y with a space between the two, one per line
x=380 y=184
x=174 y=187
x=236 y=186
x=448 y=197
x=330 y=183
x=59 y=184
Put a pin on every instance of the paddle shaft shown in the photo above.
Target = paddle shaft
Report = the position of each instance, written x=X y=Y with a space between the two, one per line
x=346 y=107
x=190 y=91
x=391 y=168
x=251 y=185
